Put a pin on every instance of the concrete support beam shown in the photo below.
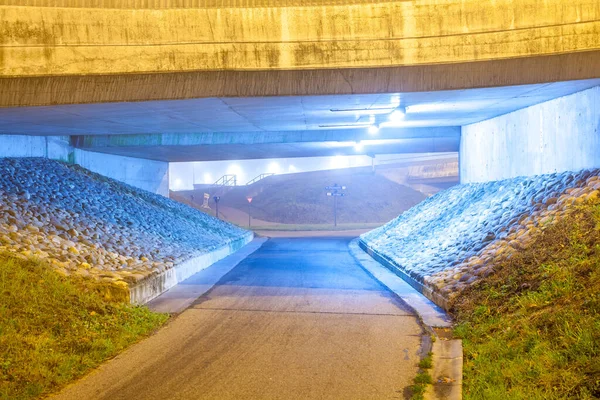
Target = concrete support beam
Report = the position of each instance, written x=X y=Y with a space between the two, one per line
x=214 y=138
x=255 y=145
x=559 y=135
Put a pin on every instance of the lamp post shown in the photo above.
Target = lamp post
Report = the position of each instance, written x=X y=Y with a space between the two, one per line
x=249 y=201
x=335 y=191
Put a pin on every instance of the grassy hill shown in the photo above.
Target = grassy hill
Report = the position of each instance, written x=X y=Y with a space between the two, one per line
x=301 y=198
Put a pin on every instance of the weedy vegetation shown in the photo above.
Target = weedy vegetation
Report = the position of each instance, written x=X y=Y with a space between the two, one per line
x=531 y=330
x=423 y=378
x=54 y=329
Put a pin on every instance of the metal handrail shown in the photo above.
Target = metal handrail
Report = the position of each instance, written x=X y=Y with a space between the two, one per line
x=259 y=177
x=226 y=180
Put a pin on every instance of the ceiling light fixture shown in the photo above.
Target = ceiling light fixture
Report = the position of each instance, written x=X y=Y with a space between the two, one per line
x=366 y=109
x=373 y=130
x=397 y=115
x=356 y=125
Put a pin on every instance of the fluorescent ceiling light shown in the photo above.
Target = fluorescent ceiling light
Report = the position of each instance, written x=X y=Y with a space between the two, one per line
x=357 y=125
x=397 y=115
x=374 y=110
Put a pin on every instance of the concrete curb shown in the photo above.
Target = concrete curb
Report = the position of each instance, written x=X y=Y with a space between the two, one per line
x=419 y=286
x=184 y=294
x=430 y=314
x=446 y=354
x=153 y=286
x=446 y=371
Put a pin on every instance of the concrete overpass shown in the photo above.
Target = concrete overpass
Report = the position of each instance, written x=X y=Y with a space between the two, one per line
x=80 y=51
x=188 y=80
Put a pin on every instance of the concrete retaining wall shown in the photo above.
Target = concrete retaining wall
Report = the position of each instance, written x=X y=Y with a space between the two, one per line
x=54 y=147
x=149 y=175
x=555 y=136
x=436 y=298
x=153 y=286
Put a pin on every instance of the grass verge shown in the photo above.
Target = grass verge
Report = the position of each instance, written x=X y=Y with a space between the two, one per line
x=54 y=329
x=423 y=378
x=421 y=381
x=531 y=330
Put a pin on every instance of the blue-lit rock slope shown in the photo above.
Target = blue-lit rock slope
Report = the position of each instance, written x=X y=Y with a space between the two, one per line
x=450 y=240
x=89 y=225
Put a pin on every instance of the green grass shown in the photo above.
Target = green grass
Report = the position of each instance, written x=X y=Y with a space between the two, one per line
x=532 y=329
x=427 y=361
x=54 y=329
x=423 y=378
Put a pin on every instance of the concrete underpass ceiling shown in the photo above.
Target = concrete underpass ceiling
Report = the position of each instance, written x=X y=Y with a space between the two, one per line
x=425 y=109
x=262 y=115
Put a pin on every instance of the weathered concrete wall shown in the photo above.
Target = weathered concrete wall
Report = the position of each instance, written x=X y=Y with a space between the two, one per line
x=22 y=146
x=54 y=147
x=559 y=135
x=79 y=89
x=149 y=175
x=62 y=41
x=109 y=50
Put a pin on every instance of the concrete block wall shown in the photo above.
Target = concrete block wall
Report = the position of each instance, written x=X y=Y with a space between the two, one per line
x=558 y=135
x=149 y=175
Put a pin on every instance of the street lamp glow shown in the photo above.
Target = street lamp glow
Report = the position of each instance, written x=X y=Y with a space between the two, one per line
x=274 y=168
x=234 y=169
x=338 y=162
x=373 y=130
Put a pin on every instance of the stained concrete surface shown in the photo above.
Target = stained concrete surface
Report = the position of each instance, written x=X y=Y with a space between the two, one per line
x=555 y=136
x=178 y=36
x=297 y=319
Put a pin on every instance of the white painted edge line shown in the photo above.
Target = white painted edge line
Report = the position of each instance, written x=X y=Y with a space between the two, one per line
x=431 y=315
x=183 y=295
